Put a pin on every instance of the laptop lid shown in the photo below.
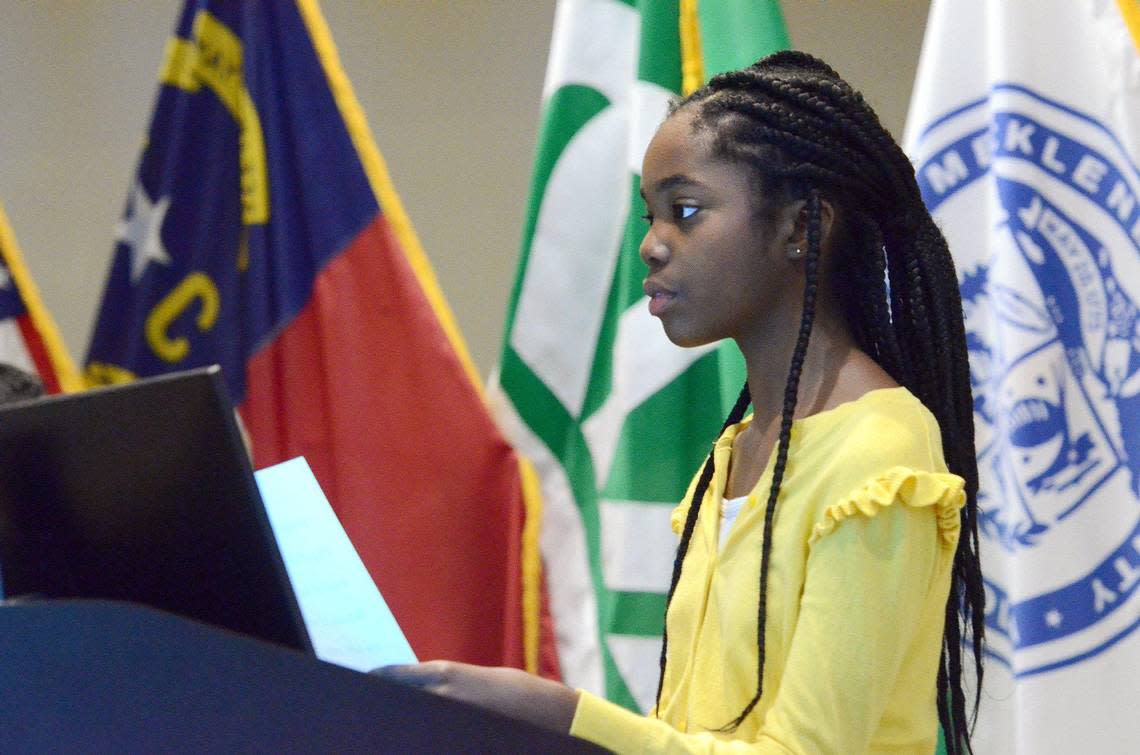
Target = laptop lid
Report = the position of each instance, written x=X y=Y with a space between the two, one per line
x=142 y=492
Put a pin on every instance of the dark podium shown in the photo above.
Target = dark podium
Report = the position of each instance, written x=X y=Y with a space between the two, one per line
x=105 y=676
x=142 y=495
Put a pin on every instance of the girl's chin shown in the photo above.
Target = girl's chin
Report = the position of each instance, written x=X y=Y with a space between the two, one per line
x=686 y=339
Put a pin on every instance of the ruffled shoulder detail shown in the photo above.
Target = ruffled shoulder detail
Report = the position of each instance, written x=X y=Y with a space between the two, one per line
x=906 y=486
x=677 y=518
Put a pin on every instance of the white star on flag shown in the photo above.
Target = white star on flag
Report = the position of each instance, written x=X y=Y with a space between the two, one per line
x=1054 y=618
x=5 y=278
x=142 y=231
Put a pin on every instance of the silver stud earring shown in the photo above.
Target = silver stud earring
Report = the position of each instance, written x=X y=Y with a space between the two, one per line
x=795 y=253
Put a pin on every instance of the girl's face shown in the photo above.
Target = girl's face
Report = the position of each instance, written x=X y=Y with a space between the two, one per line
x=718 y=268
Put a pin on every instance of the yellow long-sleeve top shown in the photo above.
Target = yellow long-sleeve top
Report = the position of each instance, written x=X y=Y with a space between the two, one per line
x=862 y=546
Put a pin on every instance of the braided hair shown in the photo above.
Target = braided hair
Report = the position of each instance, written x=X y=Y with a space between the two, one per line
x=806 y=135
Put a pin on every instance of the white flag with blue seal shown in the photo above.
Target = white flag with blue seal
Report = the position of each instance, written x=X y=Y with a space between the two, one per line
x=1025 y=133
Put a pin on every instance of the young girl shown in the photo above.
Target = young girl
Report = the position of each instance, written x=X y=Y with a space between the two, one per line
x=827 y=573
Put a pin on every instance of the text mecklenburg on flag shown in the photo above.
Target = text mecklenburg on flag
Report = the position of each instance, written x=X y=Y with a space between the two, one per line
x=1025 y=132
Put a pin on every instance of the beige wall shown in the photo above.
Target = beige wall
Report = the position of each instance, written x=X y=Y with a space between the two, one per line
x=451 y=89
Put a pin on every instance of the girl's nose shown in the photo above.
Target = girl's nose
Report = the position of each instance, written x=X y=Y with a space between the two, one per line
x=654 y=253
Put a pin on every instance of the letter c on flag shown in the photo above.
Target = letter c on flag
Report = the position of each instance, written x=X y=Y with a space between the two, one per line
x=194 y=287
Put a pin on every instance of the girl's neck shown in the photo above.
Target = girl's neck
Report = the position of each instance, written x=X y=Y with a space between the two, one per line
x=831 y=349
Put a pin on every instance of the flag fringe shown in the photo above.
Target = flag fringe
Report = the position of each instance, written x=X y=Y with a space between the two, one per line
x=692 y=63
x=1130 y=12
x=61 y=362
x=531 y=562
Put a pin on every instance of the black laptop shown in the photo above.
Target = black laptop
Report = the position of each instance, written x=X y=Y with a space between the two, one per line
x=142 y=492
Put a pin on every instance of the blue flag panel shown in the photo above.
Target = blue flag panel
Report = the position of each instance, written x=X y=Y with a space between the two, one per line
x=11 y=305
x=247 y=187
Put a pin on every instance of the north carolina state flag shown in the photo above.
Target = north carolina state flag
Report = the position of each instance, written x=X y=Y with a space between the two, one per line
x=262 y=233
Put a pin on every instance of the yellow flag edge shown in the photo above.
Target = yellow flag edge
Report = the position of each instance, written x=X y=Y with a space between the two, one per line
x=692 y=62
x=531 y=562
x=377 y=172
x=1130 y=12
x=65 y=371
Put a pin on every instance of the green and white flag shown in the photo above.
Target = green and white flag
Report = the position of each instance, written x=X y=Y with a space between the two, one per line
x=615 y=418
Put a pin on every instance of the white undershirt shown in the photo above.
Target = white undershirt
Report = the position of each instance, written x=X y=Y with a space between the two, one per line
x=729 y=508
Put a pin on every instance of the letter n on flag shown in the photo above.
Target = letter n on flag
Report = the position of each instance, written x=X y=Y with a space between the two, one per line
x=262 y=233
x=29 y=338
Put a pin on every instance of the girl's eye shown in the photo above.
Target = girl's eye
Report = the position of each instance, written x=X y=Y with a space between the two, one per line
x=684 y=211
x=648 y=218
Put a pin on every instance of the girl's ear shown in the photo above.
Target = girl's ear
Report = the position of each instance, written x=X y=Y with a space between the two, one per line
x=791 y=226
x=827 y=224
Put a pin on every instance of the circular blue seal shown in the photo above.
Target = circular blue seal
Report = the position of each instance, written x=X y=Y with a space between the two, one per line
x=1041 y=205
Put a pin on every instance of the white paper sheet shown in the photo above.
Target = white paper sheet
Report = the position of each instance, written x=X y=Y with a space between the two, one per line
x=348 y=621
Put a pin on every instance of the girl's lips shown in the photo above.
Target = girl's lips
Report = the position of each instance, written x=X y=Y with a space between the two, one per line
x=659 y=302
x=659 y=297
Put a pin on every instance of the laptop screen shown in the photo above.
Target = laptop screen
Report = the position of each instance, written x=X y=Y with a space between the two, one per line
x=142 y=492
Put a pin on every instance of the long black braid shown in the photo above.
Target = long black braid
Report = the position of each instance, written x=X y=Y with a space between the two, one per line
x=806 y=134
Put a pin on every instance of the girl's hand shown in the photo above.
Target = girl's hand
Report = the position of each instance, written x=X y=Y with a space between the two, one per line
x=508 y=691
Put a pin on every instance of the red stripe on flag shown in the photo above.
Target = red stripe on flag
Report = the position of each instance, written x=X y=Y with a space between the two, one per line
x=365 y=385
x=38 y=352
